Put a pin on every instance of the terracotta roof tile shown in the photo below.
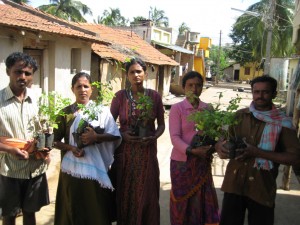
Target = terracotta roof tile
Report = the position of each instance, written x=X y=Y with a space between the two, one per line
x=126 y=44
x=108 y=42
x=26 y=17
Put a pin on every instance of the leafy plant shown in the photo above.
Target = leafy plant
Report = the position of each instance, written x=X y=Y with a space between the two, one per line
x=215 y=123
x=50 y=107
x=145 y=106
x=91 y=110
x=105 y=92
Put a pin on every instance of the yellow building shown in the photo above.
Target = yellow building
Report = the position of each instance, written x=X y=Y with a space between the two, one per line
x=247 y=72
x=202 y=52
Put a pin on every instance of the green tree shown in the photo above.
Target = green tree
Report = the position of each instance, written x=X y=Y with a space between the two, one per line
x=112 y=18
x=67 y=9
x=214 y=56
x=136 y=20
x=183 y=28
x=158 y=17
x=249 y=33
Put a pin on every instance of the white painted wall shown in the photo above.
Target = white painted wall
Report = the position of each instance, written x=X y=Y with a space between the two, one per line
x=56 y=74
x=62 y=58
x=8 y=44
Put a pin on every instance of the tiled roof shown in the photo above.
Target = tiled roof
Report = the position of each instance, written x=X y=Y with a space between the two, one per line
x=26 y=17
x=125 y=44
x=108 y=42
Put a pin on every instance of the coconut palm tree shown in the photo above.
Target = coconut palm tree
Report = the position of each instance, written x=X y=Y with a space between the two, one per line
x=67 y=9
x=249 y=33
x=158 y=17
x=137 y=20
x=183 y=28
x=112 y=18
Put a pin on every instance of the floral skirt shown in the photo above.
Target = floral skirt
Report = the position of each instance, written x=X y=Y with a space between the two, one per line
x=193 y=198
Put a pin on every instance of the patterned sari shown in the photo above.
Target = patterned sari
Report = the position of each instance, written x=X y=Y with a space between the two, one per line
x=136 y=166
x=193 y=197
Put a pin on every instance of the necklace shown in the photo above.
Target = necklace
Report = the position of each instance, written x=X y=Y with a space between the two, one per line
x=131 y=95
x=133 y=101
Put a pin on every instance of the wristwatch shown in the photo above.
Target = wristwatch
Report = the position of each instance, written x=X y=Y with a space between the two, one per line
x=188 y=150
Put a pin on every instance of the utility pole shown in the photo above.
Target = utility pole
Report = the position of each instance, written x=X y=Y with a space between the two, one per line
x=269 y=24
x=219 y=56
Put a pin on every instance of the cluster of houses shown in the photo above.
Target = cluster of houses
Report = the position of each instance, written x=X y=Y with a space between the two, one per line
x=63 y=48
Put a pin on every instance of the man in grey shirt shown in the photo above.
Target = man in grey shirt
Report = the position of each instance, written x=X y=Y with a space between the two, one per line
x=23 y=179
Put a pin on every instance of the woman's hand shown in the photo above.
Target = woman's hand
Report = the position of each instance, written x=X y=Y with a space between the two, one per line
x=77 y=152
x=221 y=150
x=148 y=140
x=129 y=136
x=201 y=151
x=89 y=136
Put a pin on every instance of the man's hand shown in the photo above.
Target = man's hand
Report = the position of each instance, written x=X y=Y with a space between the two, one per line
x=20 y=154
x=31 y=146
x=42 y=155
x=249 y=152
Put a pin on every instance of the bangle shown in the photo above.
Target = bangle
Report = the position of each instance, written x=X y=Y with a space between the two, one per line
x=188 y=150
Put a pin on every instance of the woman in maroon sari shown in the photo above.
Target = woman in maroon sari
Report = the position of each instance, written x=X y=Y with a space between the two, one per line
x=136 y=164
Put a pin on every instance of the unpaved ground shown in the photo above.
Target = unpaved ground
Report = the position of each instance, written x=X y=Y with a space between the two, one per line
x=287 y=203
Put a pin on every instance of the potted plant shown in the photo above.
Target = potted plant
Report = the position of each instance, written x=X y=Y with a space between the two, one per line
x=50 y=107
x=92 y=110
x=145 y=107
x=215 y=122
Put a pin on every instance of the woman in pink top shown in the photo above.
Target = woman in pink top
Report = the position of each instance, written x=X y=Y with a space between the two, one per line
x=193 y=199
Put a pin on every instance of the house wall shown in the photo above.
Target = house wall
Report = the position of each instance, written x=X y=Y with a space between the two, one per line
x=8 y=43
x=157 y=79
x=292 y=98
x=167 y=80
x=202 y=52
x=60 y=56
x=56 y=74
x=279 y=70
x=160 y=35
x=112 y=71
x=199 y=65
x=228 y=73
x=253 y=72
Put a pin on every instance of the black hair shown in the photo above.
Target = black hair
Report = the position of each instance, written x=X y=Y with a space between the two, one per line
x=191 y=75
x=265 y=78
x=78 y=75
x=21 y=56
x=135 y=61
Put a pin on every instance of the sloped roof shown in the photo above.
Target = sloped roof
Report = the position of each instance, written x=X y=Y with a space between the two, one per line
x=29 y=18
x=175 y=48
x=107 y=42
x=125 y=44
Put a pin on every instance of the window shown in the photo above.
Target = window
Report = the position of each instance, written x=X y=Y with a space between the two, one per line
x=75 y=60
x=247 y=70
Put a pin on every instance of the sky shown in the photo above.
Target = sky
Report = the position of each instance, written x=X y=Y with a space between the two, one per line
x=208 y=17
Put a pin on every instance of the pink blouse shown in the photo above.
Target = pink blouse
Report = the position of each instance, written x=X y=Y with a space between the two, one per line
x=181 y=130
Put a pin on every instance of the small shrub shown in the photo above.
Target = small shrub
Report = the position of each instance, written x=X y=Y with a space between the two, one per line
x=215 y=123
